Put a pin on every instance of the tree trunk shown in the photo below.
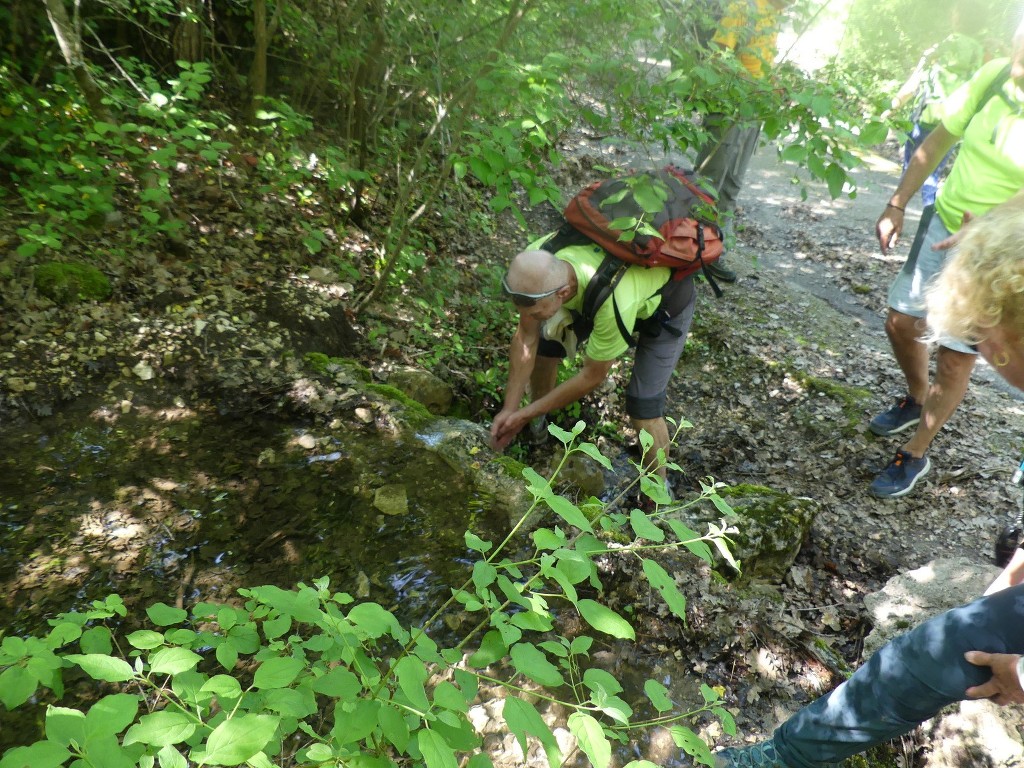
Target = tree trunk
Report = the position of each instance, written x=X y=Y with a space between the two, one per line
x=263 y=33
x=70 y=41
x=188 y=34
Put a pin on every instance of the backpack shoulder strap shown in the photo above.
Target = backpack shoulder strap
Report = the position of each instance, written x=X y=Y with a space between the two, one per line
x=601 y=286
x=995 y=88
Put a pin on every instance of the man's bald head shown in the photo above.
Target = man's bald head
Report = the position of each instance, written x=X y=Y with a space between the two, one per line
x=536 y=272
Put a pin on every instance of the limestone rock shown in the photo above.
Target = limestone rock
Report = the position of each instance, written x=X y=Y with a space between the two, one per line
x=912 y=597
x=392 y=500
x=423 y=387
x=971 y=733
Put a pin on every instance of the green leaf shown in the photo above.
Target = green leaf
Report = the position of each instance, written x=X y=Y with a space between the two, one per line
x=545 y=538
x=477 y=544
x=484 y=574
x=227 y=655
x=339 y=683
x=236 y=740
x=223 y=687
x=592 y=451
x=522 y=720
x=492 y=648
x=598 y=680
x=569 y=512
x=65 y=726
x=42 y=754
x=692 y=744
x=835 y=175
x=354 y=723
x=101 y=667
x=728 y=723
x=278 y=672
x=436 y=751
x=644 y=528
x=16 y=686
x=376 y=622
x=164 y=615
x=393 y=727
x=591 y=738
x=412 y=675
x=658 y=694
x=605 y=620
x=145 y=639
x=97 y=640
x=533 y=663
x=111 y=715
x=169 y=757
x=172 y=661
x=162 y=729
x=663 y=582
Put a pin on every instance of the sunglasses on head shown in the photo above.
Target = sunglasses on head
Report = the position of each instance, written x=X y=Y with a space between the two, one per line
x=521 y=299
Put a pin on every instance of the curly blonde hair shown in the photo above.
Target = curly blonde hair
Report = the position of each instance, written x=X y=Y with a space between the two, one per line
x=982 y=283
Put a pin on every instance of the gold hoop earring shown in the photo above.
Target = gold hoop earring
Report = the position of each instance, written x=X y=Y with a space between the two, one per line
x=1001 y=360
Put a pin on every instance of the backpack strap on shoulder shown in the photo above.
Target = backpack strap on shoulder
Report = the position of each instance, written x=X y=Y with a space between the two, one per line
x=995 y=88
x=601 y=286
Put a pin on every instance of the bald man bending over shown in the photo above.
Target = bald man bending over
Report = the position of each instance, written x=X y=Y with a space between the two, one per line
x=540 y=284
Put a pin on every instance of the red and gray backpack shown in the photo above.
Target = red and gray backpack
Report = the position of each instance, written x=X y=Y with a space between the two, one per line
x=659 y=218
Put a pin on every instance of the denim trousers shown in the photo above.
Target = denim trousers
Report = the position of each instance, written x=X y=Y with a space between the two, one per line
x=905 y=683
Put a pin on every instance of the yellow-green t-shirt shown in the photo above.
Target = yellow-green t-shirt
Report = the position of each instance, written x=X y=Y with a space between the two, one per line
x=637 y=296
x=989 y=167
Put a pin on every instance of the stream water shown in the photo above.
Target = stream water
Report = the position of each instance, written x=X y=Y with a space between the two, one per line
x=176 y=505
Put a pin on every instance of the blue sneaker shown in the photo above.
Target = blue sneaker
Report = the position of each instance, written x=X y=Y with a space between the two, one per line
x=905 y=414
x=900 y=477
x=761 y=755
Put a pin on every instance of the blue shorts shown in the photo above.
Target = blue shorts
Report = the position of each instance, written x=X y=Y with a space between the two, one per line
x=907 y=294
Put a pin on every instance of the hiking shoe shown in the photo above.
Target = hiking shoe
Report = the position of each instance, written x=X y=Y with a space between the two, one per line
x=900 y=477
x=905 y=414
x=761 y=755
x=720 y=271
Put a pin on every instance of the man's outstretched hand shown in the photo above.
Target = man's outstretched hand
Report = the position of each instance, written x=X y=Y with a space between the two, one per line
x=504 y=428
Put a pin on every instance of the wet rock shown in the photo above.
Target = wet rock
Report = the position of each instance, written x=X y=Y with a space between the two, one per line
x=392 y=500
x=582 y=473
x=423 y=387
x=464 y=446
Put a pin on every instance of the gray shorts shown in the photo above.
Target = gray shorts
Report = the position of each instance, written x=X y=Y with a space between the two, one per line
x=656 y=355
x=907 y=293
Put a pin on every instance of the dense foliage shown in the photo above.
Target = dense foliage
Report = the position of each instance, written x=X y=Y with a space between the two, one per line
x=363 y=114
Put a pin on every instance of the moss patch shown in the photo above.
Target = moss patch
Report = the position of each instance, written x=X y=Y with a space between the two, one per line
x=416 y=414
x=323 y=364
x=68 y=283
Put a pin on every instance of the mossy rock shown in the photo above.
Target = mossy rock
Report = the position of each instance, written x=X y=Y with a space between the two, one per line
x=68 y=283
x=771 y=527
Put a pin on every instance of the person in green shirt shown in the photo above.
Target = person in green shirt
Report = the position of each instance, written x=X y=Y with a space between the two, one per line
x=987 y=115
x=547 y=290
x=941 y=70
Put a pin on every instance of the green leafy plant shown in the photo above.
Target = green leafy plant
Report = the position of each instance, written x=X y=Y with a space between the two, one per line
x=309 y=676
